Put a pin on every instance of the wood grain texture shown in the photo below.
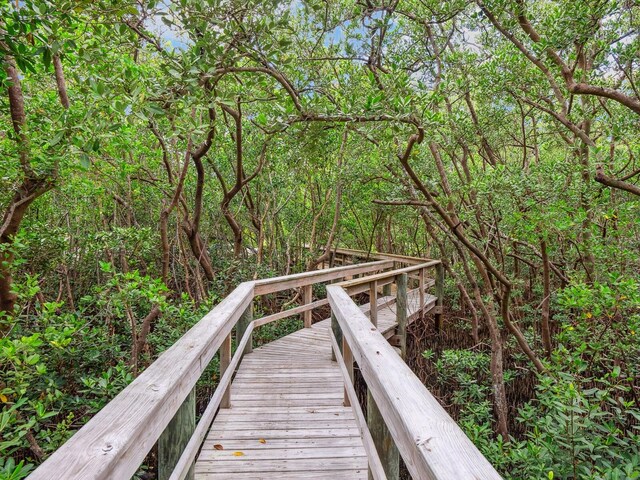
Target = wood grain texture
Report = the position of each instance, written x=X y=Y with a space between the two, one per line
x=381 y=256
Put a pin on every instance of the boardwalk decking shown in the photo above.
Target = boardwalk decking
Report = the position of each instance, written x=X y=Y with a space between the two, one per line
x=287 y=419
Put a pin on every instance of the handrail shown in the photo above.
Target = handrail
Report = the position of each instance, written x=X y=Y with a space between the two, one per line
x=389 y=274
x=277 y=284
x=430 y=442
x=116 y=440
x=380 y=256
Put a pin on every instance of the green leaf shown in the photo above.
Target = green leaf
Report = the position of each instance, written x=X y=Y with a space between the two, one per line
x=85 y=161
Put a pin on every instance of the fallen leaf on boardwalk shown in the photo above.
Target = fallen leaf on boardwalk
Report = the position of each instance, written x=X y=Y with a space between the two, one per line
x=238 y=454
x=262 y=440
x=217 y=446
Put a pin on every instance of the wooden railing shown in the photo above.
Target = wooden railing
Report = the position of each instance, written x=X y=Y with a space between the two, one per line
x=159 y=405
x=403 y=418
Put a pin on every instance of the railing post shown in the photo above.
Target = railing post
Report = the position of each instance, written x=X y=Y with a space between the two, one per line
x=386 y=290
x=243 y=323
x=175 y=437
x=337 y=332
x=421 y=287
x=307 y=298
x=401 y=312
x=382 y=439
x=373 y=302
x=439 y=295
x=225 y=360
x=347 y=356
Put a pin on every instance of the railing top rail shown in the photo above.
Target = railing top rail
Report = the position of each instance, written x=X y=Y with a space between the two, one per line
x=389 y=274
x=381 y=256
x=378 y=255
x=432 y=445
x=276 y=284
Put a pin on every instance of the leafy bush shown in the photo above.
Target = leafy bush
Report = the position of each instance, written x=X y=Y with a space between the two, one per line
x=584 y=421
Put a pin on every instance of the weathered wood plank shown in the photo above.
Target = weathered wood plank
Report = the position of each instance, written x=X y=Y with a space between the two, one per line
x=386 y=275
x=359 y=474
x=242 y=464
x=292 y=311
x=276 y=284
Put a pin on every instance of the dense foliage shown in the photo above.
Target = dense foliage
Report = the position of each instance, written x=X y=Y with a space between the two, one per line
x=153 y=154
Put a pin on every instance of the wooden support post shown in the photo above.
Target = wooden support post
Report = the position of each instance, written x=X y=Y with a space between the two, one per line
x=337 y=332
x=386 y=290
x=347 y=356
x=175 y=437
x=373 y=303
x=307 y=298
x=382 y=439
x=401 y=312
x=439 y=295
x=243 y=323
x=225 y=360
x=421 y=287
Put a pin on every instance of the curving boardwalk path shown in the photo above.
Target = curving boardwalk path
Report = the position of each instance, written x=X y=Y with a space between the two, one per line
x=287 y=419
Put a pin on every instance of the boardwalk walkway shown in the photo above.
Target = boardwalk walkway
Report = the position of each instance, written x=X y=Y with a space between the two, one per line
x=287 y=410
x=287 y=418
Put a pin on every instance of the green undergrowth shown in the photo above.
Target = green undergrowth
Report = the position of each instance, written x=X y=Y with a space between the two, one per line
x=583 y=421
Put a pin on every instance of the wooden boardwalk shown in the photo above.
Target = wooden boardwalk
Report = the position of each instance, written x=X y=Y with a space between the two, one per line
x=286 y=410
x=287 y=418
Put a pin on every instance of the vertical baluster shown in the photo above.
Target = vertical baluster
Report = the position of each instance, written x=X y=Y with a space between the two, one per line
x=225 y=360
x=382 y=439
x=373 y=302
x=386 y=289
x=337 y=332
x=421 y=287
x=347 y=356
x=439 y=295
x=307 y=297
x=401 y=312
x=243 y=323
